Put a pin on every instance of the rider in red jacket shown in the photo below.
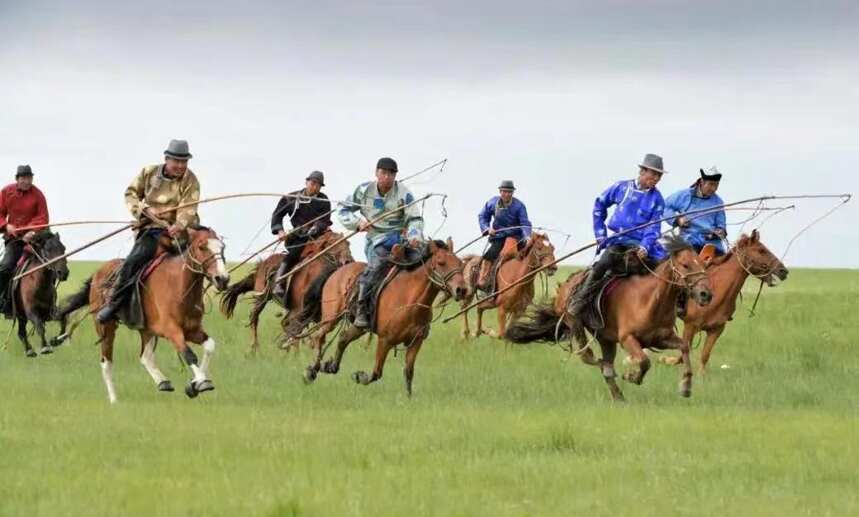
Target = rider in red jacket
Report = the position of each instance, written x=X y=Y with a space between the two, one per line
x=22 y=206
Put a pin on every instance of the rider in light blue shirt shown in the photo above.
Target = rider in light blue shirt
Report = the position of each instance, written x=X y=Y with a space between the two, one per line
x=703 y=229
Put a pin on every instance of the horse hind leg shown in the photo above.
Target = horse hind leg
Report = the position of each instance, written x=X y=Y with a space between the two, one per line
x=382 y=349
x=22 y=336
x=606 y=365
x=409 y=368
x=107 y=334
x=147 y=359
x=709 y=343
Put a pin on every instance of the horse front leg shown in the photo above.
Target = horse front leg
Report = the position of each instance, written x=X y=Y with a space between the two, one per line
x=640 y=361
x=479 y=330
x=465 y=333
x=318 y=344
x=712 y=336
x=148 y=343
x=409 y=368
x=350 y=334
x=382 y=349
x=39 y=325
x=22 y=336
x=689 y=332
x=200 y=382
x=606 y=366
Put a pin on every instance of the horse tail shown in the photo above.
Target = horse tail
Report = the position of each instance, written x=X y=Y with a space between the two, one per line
x=74 y=302
x=542 y=324
x=311 y=305
x=232 y=293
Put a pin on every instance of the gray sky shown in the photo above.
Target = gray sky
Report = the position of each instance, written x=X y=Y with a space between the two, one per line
x=565 y=98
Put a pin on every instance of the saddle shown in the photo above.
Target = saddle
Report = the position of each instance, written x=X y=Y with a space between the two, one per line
x=472 y=270
x=131 y=314
x=22 y=265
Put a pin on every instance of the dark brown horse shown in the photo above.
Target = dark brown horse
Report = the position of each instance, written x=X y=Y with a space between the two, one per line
x=259 y=280
x=748 y=257
x=172 y=300
x=35 y=295
x=512 y=303
x=403 y=315
x=638 y=313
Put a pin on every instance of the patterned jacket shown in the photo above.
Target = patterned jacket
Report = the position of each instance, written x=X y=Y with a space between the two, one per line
x=634 y=208
x=151 y=189
x=366 y=203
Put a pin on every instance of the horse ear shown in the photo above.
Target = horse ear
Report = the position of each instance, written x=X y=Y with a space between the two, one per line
x=707 y=254
x=432 y=247
x=450 y=244
x=756 y=236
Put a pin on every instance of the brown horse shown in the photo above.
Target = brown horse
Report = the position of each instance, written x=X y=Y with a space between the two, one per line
x=511 y=304
x=35 y=295
x=638 y=313
x=403 y=314
x=172 y=299
x=259 y=280
x=748 y=257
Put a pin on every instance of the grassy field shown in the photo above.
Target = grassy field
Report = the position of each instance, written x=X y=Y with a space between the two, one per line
x=491 y=430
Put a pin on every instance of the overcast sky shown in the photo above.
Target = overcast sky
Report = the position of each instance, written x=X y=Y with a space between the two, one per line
x=563 y=97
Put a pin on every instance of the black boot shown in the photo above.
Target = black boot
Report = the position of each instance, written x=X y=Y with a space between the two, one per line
x=108 y=312
x=279 y=289
x=584 y=293
x=362 y=313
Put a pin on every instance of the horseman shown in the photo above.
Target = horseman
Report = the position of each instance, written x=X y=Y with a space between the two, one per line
x=22 y=205
x=638 y=202
x=502 y=217
x=302 y=206
x=369 y=201
x=156 y=187
x=699 y=230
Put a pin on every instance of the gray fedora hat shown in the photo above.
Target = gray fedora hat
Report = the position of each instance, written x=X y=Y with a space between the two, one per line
x=507 y=185
x=318 y=177
x=178 y=150
x=653 y=162
x=23 y=170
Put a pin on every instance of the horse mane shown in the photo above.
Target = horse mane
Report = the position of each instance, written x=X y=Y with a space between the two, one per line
x=411 y=265
x=675 y=244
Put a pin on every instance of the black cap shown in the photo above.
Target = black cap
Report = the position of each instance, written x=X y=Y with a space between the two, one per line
x=387 y=164
x=712 y=174
x=23 y=170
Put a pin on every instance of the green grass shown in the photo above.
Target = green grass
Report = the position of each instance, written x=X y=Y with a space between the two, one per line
x=491 y=430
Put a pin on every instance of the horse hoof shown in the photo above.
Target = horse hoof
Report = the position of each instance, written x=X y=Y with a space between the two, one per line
x=165 y=386
x=46 y=350
x=309 y=375
x=31 y=353
x=685 y=391
x=59 y=340
x=204 y=386
x=330 y=367
x=191 y=391
x=359 y=377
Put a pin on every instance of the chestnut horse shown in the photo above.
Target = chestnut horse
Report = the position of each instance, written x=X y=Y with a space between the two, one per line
x=172 y=298
x=259 y=280
x=748 y=257
x=511 y=304
x=35 y=295
x=403 y=314
x=638 y=313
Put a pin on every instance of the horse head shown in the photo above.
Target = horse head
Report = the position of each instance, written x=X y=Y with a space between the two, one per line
x=50 y=247
x=205 y=251
x=445 y=269
x=340 y=254
x=758 y=260
x=689 y=268
x=541 y=253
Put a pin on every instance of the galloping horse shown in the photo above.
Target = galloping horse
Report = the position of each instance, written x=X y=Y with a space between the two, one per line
x=35 y=295
x=748 y=257
x=403 y=314
x=259 y=280
x=172 y=302
x=638 y=312
x=511 y=304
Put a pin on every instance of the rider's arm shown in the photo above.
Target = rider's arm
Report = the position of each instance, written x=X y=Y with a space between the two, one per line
x=414 y=218
x=600 y=213
x=41 y=216
x=524 y=222
x=134 y=194
x=3 y=212
x=721 y=222
x=284 y=206
x=675 y=206
x=190 y=193
x=349 y=213
x=484 y=218
x=323 y=205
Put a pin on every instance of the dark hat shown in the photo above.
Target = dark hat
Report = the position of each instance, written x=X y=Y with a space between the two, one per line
x=23 y=170
x=387 y=164
x=711 y=174
x=507 y=185
x=318 y=177
x=653 y=162
x=178 y=150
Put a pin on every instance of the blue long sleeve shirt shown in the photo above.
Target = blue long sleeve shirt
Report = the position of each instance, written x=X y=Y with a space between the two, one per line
x=700 y=226
x=633 y=207
x=497 y=216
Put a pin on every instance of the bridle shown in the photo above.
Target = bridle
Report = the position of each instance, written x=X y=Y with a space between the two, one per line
x=748 y=265
x=197 y=266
